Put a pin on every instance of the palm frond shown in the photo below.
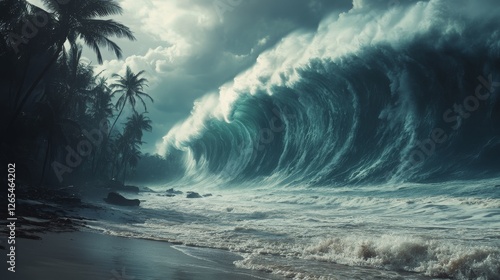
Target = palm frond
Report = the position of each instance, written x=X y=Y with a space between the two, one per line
x=106 y=28
x=138 y=74
x=146 y=95
x=117 y=86
x=132 y=101
x=53 y=6
x=120 y=102
x=143 y=103
x=99 y=8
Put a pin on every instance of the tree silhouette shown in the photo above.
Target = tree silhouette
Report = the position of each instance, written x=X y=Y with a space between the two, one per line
x=130 y=87
x=101 y=106
x=79 y=19
x=75 y=80
x=129 y=142
x=136 y=124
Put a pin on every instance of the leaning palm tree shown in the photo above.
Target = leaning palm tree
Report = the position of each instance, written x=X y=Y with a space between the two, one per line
x=130 y=87
x=80 y=20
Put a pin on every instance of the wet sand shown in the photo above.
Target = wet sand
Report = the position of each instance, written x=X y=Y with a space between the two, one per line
x=87 y=255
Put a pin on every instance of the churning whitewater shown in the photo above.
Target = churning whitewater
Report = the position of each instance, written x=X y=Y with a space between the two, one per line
x=384 y=97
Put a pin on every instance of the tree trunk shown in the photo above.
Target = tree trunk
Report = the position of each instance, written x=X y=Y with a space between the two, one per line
x=119 y=114
x=106 y=139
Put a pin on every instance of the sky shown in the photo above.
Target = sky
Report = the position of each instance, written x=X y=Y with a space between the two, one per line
x=190 y=48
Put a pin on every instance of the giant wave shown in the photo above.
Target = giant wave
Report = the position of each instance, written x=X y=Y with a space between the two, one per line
x=406 y=93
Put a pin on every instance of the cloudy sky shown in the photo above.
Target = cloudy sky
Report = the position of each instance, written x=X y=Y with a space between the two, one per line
x=189 y=48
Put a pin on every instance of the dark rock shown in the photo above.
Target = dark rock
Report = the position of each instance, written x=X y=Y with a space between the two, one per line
x=193 y=195
x=172 y=191
x=207 y=195
x=170 y=195
x=118 y=199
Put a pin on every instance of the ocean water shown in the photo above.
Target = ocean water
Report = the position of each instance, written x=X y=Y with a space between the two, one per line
x=397 y=233
x=366 y=149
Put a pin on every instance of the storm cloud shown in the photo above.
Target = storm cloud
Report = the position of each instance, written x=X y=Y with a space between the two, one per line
x=191 y=48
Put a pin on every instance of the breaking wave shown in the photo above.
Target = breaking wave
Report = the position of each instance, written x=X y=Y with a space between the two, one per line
x=405 y=94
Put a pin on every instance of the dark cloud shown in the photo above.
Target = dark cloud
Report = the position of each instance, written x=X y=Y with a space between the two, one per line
x=190 y=48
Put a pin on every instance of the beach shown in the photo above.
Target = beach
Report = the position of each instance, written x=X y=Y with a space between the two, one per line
x=84 y=255
x=257 y=234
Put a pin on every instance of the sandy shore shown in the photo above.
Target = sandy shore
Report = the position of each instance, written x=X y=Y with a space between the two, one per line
x=86 y=255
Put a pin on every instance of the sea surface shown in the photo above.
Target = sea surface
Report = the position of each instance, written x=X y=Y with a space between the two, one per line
x=408 y=231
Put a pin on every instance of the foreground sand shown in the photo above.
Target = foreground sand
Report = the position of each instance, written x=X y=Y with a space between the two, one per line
x=87 y=255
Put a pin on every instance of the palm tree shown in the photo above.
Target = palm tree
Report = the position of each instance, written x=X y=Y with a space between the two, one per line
x=55 y=128
x=129 y=142
x=100 y=109
x=76 y=81
x=135 y=125
x=125 y=148
x=131 y=87
x=79 y=19
x=101 y=106
x=17 y=53
x=132 y=158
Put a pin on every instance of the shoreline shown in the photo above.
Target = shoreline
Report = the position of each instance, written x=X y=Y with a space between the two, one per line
x=102 y=249
x=53 y=241
x=83 y=255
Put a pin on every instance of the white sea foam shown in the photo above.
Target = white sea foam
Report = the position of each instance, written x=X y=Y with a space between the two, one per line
x=436 y=236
